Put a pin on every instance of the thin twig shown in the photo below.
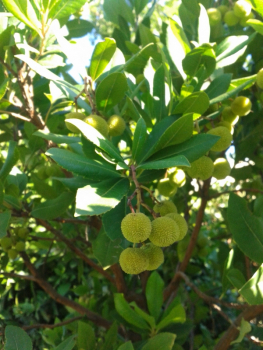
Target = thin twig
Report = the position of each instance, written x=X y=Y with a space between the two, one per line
x=16 y=115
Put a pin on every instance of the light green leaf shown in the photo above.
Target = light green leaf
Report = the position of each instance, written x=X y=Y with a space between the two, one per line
x=235 y=83
x=4 y=219
x=149 y=319
x=96 y=199
x=5 y=40
x=111 y=91
x=56 y=137
x=11 y=159
x=64 y=8
x=202 y=56
x=160 y=341
x=139 y=5
x=247 y=229
x=154 y=294
x=101 y=56
x=165 y=163
x=127 y=345
x=67 y=344
x=53 y=208
x=17 y=339
x=139 y=138
x=176 y=315
x=244 y=328
x=91 y=169
x=198 y=102
x=126 y=312
x=257 y=5
x=256 y=24
x=203 y=26
x=252 y=290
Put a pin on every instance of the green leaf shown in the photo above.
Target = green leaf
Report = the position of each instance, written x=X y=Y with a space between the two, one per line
x=56 y=137
x=128 y=344
x=12 y=201
x=126 y=312
x=73 y=183
x=154 y=294
x=159 y=108
x=79 y=27
x=4 y=219
x=257 y=6
x=192 y=6
x=114 y=8
x=199 y=56
x=67 y=344
x=139 y=138
x=247 y=229
x=176 y=315
x=97 y=139
x=236 y=277
x=192 y=149
x=101 y=56
x=5 y=40
x=139 y=5
x=106 y=251
x=227 y=266
x=53 y=208
x=165 y=163
x=198 y=102
x=256 y=24
x=237 y=82
x=11 y=159
x=17 y=339
x=160 y=341
x=111 y=91
x=91 y=169
x=252 y=290
x=110 y=338
x=113 y=218
x=98 y=198
x=149 y=319
x=218 y=86
x=244 y=328
x=203 y=26
x=146 y=35
x=65 y=8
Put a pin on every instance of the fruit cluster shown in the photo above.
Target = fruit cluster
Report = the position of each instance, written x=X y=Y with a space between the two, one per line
x=114 y=126
x=163 y=231
x=15 y=243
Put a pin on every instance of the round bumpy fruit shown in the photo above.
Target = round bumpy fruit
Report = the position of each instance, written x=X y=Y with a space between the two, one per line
x=154 y=254
x=226 y=125
x=214 y=16
x=182 y=224
x=223 y=9
x=221 y=169
x=230 y=18
x=259 y=79
x=225 y=138
x=228 y=115
x=98 y=123
x=136 y=227
x=201 y=169
x=165 y=232
x=165 y=207
x=242 y=9
x=74 y=115
x=20 y=246
x=133 y=261
x=166 y=188
x=177 y=176
x=6 y=243
x=12 y=254
x=241 y=106
x=23 y=232
x=116 y=125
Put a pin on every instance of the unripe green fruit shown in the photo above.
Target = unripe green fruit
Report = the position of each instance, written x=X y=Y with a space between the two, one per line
x=202 y=240
x=221 y=169
x=259 y=78
x=201 y=169
x=74 y=115
x=133 y=261
x=165 y=232
x=226 y=125
x=177 y=176
x=116 y=125
x=23 y=232
x=98 y=123
x=53 y=170
x=182 y=224
x=228 y=115
x=212 y=109
x=154 y=254
x=41 y=172
x=6 y=243
x=243 y=21
x=225 y=138
x=165 y=207
x=166 y=188
x=139 y=79
x=12 y=190
x=214 y=16
x=136 y=227
x=12 y=254
x=223 y=9
x=20 y=246
x=230 y=18
x=242 y=9
x=203 y=252
x=241 y=106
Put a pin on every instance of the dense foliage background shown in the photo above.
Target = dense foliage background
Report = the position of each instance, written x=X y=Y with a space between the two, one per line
x=170 y=74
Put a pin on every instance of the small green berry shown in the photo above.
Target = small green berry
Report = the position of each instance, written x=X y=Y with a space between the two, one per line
x=133 y=261
x=136 y=227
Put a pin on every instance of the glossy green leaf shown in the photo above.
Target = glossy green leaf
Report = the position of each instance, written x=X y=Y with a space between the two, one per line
x=218 y=86
x=139 y=138
x=236 y=277
x=11 y=159
x=176 y=315
x=247 y=229
x=244 y=328
x=4 y=219
x=111 y=91
x=96 y=199
x=56 y=137
x=110 y=338
x=149 y=319
x=176 y=161
x=53 y=208
x=252 y=290
x=91 y=169
x=65 y=8
x=79 y=27
x=5 y=40
x=159 y=108
x=126 y=312
x=160 y=341
x=128 y=344
x=192 y=149
x=199 y=56
x=86 y=336
x=67 y=344
x=203 y=26
x=154 y=294
x=257 y=5
x=256 y=24
x=198 y=102
x=106 y=251
x=235 y=83
x=12 y=201
x=101 y=56
x=113 y=218
x=14 y=336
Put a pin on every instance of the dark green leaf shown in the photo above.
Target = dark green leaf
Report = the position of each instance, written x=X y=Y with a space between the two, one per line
x=113 y=218
x=160 y=341
x=218 y=86
x=176 y=161
x=128 y=344
x=139 y=138
x=110 y=338
x=154 y=294
x=114 y=8
x=67 y=344
x=198 y=102
x=57 y=138
x=5 y=40
x=79 y=27
x=236 y=277
x=247 y=229
x=10 y=161
x=176 y=315
x=17 y=339
x=4 y=219
x=159 y=108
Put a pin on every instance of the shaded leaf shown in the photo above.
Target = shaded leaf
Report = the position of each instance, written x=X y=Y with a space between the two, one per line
x=17 y=339
x=139 y=138
x=176 y=315
x=113 y=218
x=4 y=219
x=160 y=341
x=218 y=86
x=127 y=345
x=11 y=159
x=86 y=336
x=154 y=294
x=252 y=290
x=236 y=277
x=56 y=137
x=198 y=102
x=67 y=344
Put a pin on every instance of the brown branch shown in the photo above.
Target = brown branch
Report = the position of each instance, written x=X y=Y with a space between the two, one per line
x=15 y=115
x=8 y=67
x=52 y=326
x=171 y=288
x=15 y=275
x=119 y=278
